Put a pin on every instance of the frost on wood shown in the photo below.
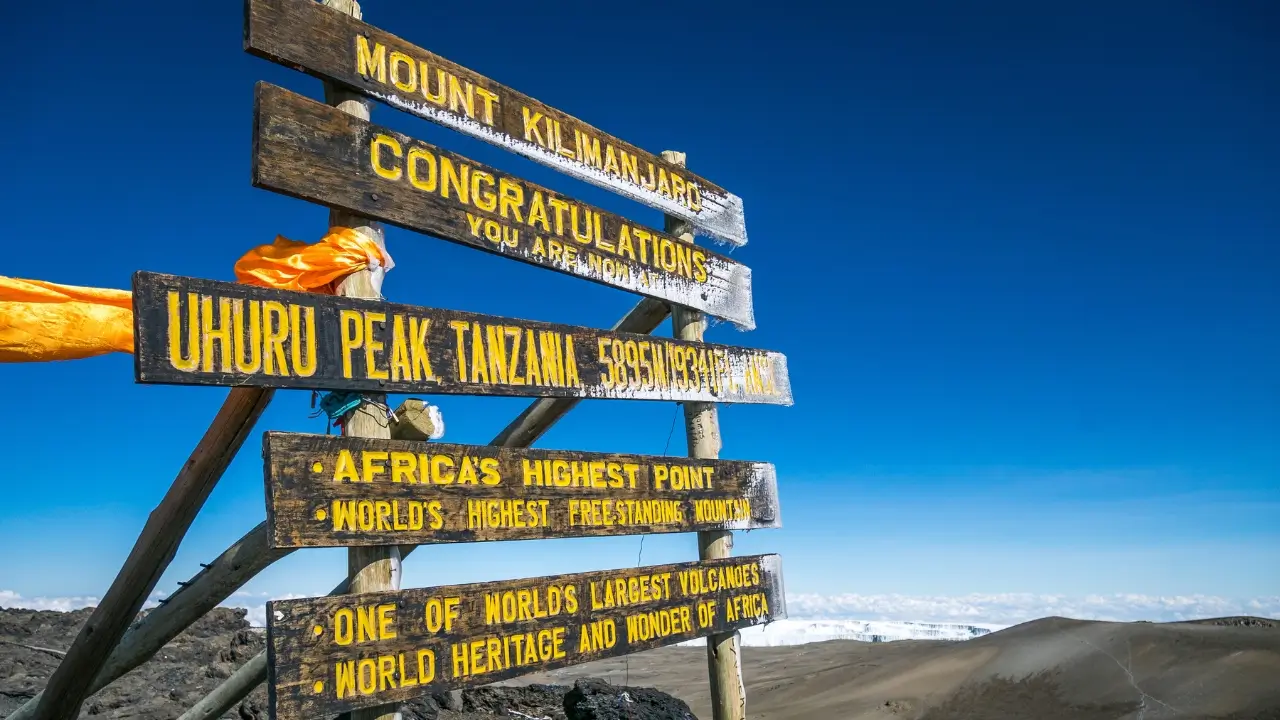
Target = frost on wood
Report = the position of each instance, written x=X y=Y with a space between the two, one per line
x=721 y=218
x=455 y=348
x=771 y=568
x=762 y=488
x=736 y=393
x=306 y=150
x=726 y=294
x=355 y=55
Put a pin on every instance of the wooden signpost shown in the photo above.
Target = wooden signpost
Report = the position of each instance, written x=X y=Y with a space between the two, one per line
x=204 y=332
x=334 y=654
x=315 y=152
x=332 y=46
x=325 y=491
x=363 y=651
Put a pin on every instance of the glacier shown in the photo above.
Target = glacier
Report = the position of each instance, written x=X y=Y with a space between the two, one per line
x=799 y=632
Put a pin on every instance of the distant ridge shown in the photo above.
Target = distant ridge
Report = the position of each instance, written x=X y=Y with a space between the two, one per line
x=793 y=631
x=1053 y=668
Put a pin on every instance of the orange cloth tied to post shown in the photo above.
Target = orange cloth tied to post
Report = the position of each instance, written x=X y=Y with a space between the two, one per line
x=43 y=321
x=292 y=265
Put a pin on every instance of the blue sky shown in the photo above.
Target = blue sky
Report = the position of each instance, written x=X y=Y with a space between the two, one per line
x=1022 y=261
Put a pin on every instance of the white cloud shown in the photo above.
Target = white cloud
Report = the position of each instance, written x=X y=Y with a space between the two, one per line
x=254 y=602
x=995 y=610
x=11 y=599
x=1013 y=608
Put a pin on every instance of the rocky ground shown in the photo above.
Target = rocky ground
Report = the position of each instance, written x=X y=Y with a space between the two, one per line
x=1049 y=669
x=32 y=643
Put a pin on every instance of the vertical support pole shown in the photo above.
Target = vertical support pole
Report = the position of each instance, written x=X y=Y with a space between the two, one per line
x=702 y=431
x=369 y=569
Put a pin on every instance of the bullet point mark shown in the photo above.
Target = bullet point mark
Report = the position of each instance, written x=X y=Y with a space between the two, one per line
x=318 y=630
x=321 y=514
x=318 y=687
x=318 y=467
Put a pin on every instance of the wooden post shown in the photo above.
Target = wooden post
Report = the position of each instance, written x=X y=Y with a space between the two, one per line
x=151 y=554
x=702 y=431
x=369 y=569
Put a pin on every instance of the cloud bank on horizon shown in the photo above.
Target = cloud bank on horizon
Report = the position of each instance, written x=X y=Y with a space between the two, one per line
x=1012 y=608
x=976 y=609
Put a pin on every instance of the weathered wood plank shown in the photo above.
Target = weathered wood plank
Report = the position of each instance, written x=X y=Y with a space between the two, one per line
x=305 y=36
x=311 y=151
x=525 y=429
x=329 y=655
x=204 y=332
x=327 y=491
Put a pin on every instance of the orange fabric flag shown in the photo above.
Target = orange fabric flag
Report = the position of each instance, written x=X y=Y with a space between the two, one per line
x=42 y=321
x=292 y=265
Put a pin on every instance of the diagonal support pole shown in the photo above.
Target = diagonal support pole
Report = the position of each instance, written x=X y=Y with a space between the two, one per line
x=151 y=555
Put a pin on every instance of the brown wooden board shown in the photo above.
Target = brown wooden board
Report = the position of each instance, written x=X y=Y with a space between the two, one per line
x=312 y=151
x=330 y=491
x=332 y=654
x=306 y=36
x=205 y=332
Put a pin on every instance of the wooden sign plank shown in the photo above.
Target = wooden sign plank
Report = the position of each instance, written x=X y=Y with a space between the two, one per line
x=315 y=152
x=333 y=654
x=332 y=491
x=204 y=332
x=303 y=35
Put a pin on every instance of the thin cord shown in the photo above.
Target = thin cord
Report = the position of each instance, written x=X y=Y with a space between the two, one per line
x=640 y=555
x=665 y=448
x=672 y=431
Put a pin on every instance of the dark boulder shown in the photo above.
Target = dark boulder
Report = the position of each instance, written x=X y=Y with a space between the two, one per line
x=530 y=701
x=594 y=699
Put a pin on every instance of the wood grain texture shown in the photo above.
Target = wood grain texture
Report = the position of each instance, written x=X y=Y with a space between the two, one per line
x=200 y=332
x=306 y=36
x=416 y=420
x=151 y=554
x=333 y=654
x=702 y=437
x=368 y=568
x=308 y=150
x=543 y=413
x=416 y=492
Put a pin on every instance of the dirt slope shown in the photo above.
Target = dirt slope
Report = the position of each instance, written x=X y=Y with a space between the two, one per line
x=1049 y=669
